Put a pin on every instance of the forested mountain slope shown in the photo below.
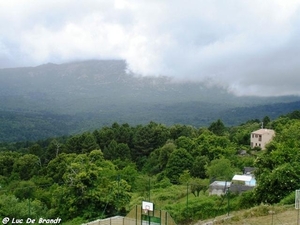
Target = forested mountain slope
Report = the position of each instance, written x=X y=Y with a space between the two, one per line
x=52 y=100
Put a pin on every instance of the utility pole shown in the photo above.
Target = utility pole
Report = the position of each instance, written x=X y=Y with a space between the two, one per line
x=29 y=206
x=187 y=199
x=118 y=193
x=298 y=213
x=228 y=201
x=149 y=189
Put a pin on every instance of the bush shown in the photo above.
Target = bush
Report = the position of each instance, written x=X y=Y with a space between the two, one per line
x=246 y=200
x=164 y=183
x=290 y=199
x=197 y=209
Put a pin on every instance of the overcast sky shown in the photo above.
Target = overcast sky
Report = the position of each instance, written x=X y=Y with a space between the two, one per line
x=250 y=46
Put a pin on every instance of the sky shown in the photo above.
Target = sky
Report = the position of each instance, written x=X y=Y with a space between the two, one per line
x=250 y=47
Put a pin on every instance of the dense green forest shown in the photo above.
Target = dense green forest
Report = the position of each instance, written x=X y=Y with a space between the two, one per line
x=32 y=126
x=106 y=172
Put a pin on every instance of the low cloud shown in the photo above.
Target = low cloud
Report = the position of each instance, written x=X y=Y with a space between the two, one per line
x=250 y=47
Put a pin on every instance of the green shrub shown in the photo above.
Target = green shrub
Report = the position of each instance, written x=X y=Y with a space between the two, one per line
x=246 y=200
x=290 y=199
x=75 y=221
x=166 y=196
x=165 y=182
x=197 y=209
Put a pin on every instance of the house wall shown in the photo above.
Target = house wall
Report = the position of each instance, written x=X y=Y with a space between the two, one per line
x=239 y=188
x=218 y=187
x=261 y=137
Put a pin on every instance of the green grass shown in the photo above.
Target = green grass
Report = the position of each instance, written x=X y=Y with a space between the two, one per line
x=259 y=215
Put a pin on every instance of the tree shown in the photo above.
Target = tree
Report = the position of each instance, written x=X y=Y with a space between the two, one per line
x=213 y=146
x=96 y=156
x=56 y=167
x=151 y=165
x=73 y=144
x=27 y=166
x=117 y=151
x=129 y=173
x=83 y=143
x=220 y=169
x=91 y=185
x=165 y=153
x=276 y=184
x=184 y=177
x=217 y=128
x=12 y=207
x=7 y=160
x=146 y=139
x=24 y=189
x=179 y=161
x=105 y=136
x=123 y=134
x=241 y=134
x=199 y=167
x=266 y=120
x=294 y=115
x=186 y=143
x=198 y=185
x=123 y=152
x=178 y=130
x=277 y=170
x=36 y=149
x=53 y=150
x=89 y=143
x=110 y=151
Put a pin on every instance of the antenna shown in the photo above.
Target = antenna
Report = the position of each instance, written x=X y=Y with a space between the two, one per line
x=262 y=125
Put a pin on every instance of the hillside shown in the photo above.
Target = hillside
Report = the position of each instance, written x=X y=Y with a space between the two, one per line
x=53 y=100
x=108 y=171
x=259 y=215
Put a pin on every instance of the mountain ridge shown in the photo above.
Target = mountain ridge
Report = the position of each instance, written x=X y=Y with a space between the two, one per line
x=99 y=92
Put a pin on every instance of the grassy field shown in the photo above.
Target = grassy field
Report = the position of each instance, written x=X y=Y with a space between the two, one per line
x=260 y=215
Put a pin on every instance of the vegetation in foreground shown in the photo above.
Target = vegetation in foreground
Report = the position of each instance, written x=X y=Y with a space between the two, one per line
x=259 y=215
x=106 y=172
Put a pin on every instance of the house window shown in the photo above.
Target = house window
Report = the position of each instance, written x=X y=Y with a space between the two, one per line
x=259 y=138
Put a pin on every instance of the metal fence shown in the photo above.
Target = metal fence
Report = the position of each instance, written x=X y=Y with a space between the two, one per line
x=137 y=216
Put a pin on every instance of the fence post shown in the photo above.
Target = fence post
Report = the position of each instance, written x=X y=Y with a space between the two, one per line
x=136 y=209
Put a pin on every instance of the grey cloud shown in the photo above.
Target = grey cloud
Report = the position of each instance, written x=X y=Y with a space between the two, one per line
x=246 y=46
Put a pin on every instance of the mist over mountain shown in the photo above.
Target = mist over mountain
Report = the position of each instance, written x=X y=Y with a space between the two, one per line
x=79 y=96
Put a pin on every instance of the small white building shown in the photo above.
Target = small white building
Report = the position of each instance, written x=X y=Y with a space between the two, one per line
x=241 y=183
x=261 y=137
x=248 y=180
x=219 y=187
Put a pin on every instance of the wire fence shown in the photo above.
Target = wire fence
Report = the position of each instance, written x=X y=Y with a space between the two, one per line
x=138 y=217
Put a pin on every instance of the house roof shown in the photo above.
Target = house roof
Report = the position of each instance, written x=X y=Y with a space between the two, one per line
x=263 y=131
x=242 y=178
x=248 y=170
x=221 y=183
